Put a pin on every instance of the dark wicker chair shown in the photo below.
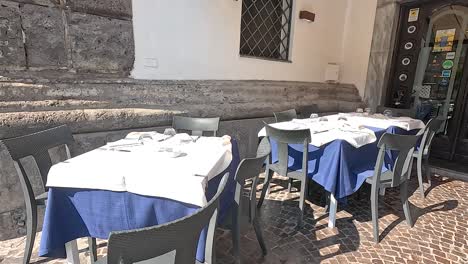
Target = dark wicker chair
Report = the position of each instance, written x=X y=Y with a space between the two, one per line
x=306 y=111
x=284 y=116
x=196 y=125
x=397 y=112
x=37 y=145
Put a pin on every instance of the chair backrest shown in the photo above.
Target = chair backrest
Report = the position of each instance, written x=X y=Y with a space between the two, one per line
x=196 y=125
x=37 y=145
x=397 y=112
x=284 y=116
x=182 y=235
x=285 y=137
x=249 y=169
x=403 y=145
x=306 y=111
x=428 y=133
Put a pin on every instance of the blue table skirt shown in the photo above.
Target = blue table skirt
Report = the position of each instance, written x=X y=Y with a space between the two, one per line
x=75 y=213
x=338 y=166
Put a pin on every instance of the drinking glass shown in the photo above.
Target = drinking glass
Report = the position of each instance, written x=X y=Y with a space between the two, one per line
x=145 y=138
x=342 y=117
x=388 y=113
x=314 y=116
x=367 y=111
x=170 y=132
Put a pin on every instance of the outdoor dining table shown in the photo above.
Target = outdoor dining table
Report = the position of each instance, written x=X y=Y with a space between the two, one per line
x=343 y=150
x=134 y=183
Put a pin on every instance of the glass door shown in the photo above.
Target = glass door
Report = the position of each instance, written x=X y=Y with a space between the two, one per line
x=439 y=86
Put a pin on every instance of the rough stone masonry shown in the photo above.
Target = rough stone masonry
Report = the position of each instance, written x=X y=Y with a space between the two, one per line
x=68 y=62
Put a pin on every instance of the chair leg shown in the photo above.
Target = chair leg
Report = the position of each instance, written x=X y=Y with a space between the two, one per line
x=375 y=213
x=92 y=249
x=258 y=232
x=266 y=186
x=235 y=232
x=421 y=186
x=301 y=201
x=406 y=204
x=427 y=170
x=31 y=228
x=290 y=185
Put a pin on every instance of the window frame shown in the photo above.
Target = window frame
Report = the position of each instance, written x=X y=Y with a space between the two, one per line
x=288 y=13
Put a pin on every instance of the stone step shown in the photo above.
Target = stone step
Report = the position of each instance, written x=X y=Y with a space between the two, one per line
x=170 y=92
x=115 y=104
x=50 y=105
x=14 y=124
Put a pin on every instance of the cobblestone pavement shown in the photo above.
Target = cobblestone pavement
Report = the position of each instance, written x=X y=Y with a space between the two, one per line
x=440 y=234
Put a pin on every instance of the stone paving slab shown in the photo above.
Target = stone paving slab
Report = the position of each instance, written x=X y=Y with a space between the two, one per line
x=440 y=234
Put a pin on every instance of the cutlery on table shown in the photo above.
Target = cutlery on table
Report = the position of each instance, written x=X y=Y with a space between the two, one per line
x=164 y=139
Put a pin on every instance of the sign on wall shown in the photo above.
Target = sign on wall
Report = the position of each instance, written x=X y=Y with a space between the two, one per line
x=413 y=15
x=444 y=40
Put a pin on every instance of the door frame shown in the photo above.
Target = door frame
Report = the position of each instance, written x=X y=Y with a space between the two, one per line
x=424 y=56
x=461 y=118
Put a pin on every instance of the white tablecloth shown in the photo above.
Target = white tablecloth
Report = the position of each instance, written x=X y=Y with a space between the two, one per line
x=381 y=121
x=150 y=169
x=348 y=127
x=324 y=132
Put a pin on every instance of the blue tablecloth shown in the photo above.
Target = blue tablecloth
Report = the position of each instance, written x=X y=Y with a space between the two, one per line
x=76 y=213
x=338 y=166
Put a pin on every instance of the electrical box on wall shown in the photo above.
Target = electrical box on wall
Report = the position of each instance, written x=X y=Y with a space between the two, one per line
x=151 y=63
x=332 y=73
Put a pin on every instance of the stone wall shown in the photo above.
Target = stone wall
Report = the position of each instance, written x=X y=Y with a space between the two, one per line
x=103 y=110
x=68 y=61
x=383 y=40
x=66 y=36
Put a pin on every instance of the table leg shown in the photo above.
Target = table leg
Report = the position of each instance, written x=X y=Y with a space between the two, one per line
x=72 y=252
x=332 y=211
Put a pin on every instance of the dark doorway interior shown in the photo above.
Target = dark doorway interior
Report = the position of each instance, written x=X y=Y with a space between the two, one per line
x=430 y=70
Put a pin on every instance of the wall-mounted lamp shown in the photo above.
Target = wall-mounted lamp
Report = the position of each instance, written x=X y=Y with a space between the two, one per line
x=307 y=16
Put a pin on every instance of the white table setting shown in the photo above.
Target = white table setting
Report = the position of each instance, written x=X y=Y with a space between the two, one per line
x=173 y=168
x=328 y=135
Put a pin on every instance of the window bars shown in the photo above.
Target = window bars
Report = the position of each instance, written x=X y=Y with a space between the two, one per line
x=266 y=29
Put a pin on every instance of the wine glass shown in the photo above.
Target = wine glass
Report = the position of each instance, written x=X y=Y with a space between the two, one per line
x=388 y=113
x=144 y=138
x=367 y=111
x=170 y=131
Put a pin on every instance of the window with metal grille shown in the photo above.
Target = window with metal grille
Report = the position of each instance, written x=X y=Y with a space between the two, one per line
x=266 y=28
